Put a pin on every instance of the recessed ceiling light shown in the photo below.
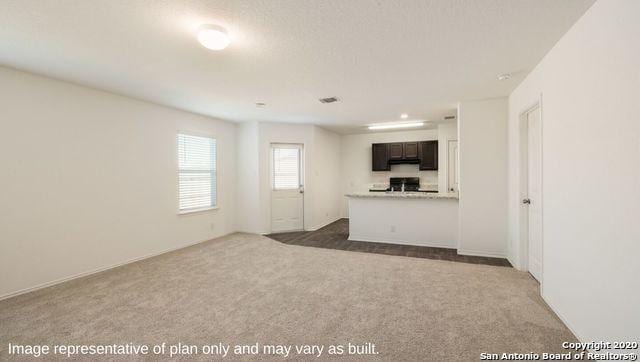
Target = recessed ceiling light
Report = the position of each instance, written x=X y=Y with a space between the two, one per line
x=213 y=37
x=504 y=76
x=396 y=125
x=404 y=116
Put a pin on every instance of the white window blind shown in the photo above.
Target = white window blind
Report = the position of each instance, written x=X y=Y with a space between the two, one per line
x=286 y=168
x=197 y=181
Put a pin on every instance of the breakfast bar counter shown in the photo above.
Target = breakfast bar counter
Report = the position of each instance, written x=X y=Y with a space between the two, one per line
x=411 y=218
x=403 y=195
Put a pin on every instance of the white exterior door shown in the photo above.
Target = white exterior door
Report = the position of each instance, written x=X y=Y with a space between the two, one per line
x=287 y=188
x=452 y=166
x=534 y=192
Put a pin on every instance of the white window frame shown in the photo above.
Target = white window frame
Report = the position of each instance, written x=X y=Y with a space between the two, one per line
x=300 y=148
x=218 y=184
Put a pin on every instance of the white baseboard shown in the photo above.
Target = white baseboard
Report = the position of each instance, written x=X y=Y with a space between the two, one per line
x=400 y=242
x=513 y=264
x=481 y=253
x=95 y=271
x=325 y=224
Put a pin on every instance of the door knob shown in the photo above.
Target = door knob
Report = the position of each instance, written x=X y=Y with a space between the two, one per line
x=526 y=201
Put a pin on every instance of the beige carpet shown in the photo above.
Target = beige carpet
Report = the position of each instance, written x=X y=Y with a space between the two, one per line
x=246 y=289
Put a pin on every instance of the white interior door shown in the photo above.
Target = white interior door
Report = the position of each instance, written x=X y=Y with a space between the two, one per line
x=452 y=166
x=534 y=191
x=287 y=187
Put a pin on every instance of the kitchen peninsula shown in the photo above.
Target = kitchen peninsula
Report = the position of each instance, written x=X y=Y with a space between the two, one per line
x=411 y=218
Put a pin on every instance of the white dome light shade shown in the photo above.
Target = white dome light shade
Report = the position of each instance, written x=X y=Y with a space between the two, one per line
x=213 y=37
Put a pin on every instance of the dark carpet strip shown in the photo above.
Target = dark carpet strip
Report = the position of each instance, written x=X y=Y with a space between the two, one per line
x=334 y=236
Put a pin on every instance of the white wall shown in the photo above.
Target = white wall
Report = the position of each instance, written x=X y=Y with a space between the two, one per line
x=89 y=180
x=327 y=183
x=482 y=131
x=356 y=162
x=590 y=86
x=248 y=178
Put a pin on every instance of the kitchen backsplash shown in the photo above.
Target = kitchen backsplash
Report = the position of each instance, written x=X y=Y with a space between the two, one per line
x=428 y=179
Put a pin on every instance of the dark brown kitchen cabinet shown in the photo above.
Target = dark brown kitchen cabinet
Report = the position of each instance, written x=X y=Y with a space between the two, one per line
x=380 y=159
x=396 y=151
x=410 y=150
x=428 y=151
x=423 y=153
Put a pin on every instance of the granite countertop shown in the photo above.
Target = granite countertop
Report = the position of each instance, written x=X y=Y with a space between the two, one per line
x=404 y=195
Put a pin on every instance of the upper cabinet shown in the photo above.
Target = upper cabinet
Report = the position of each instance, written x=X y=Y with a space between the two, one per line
x=410 y=150
x=380 y=159
x=424 y=153
x=396 y=150
x=428 y=155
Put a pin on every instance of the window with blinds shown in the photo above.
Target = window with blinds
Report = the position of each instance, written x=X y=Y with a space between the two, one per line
x=286 y=168
x=197 y=171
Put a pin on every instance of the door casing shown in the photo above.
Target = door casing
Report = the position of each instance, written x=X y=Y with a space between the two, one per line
x=290 y=196
x=452 y=166
x=523 y=219
x=534 y=194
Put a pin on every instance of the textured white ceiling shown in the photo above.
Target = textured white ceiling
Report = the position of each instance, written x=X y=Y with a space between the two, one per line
x=380 y=57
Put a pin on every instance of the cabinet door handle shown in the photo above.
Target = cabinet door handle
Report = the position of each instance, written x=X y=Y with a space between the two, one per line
x=526 y=201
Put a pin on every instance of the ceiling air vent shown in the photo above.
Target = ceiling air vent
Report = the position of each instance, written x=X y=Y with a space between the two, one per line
x=328 y=100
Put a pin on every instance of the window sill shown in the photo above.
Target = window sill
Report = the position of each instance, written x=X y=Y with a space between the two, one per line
x=196 y=211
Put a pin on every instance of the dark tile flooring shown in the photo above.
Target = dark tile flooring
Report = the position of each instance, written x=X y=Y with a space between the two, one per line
x=334 y=236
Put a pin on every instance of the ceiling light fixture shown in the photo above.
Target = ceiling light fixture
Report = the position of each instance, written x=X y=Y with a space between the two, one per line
x=213 y=37
x=404 y=116
x=396 y=125
x=504 y=76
